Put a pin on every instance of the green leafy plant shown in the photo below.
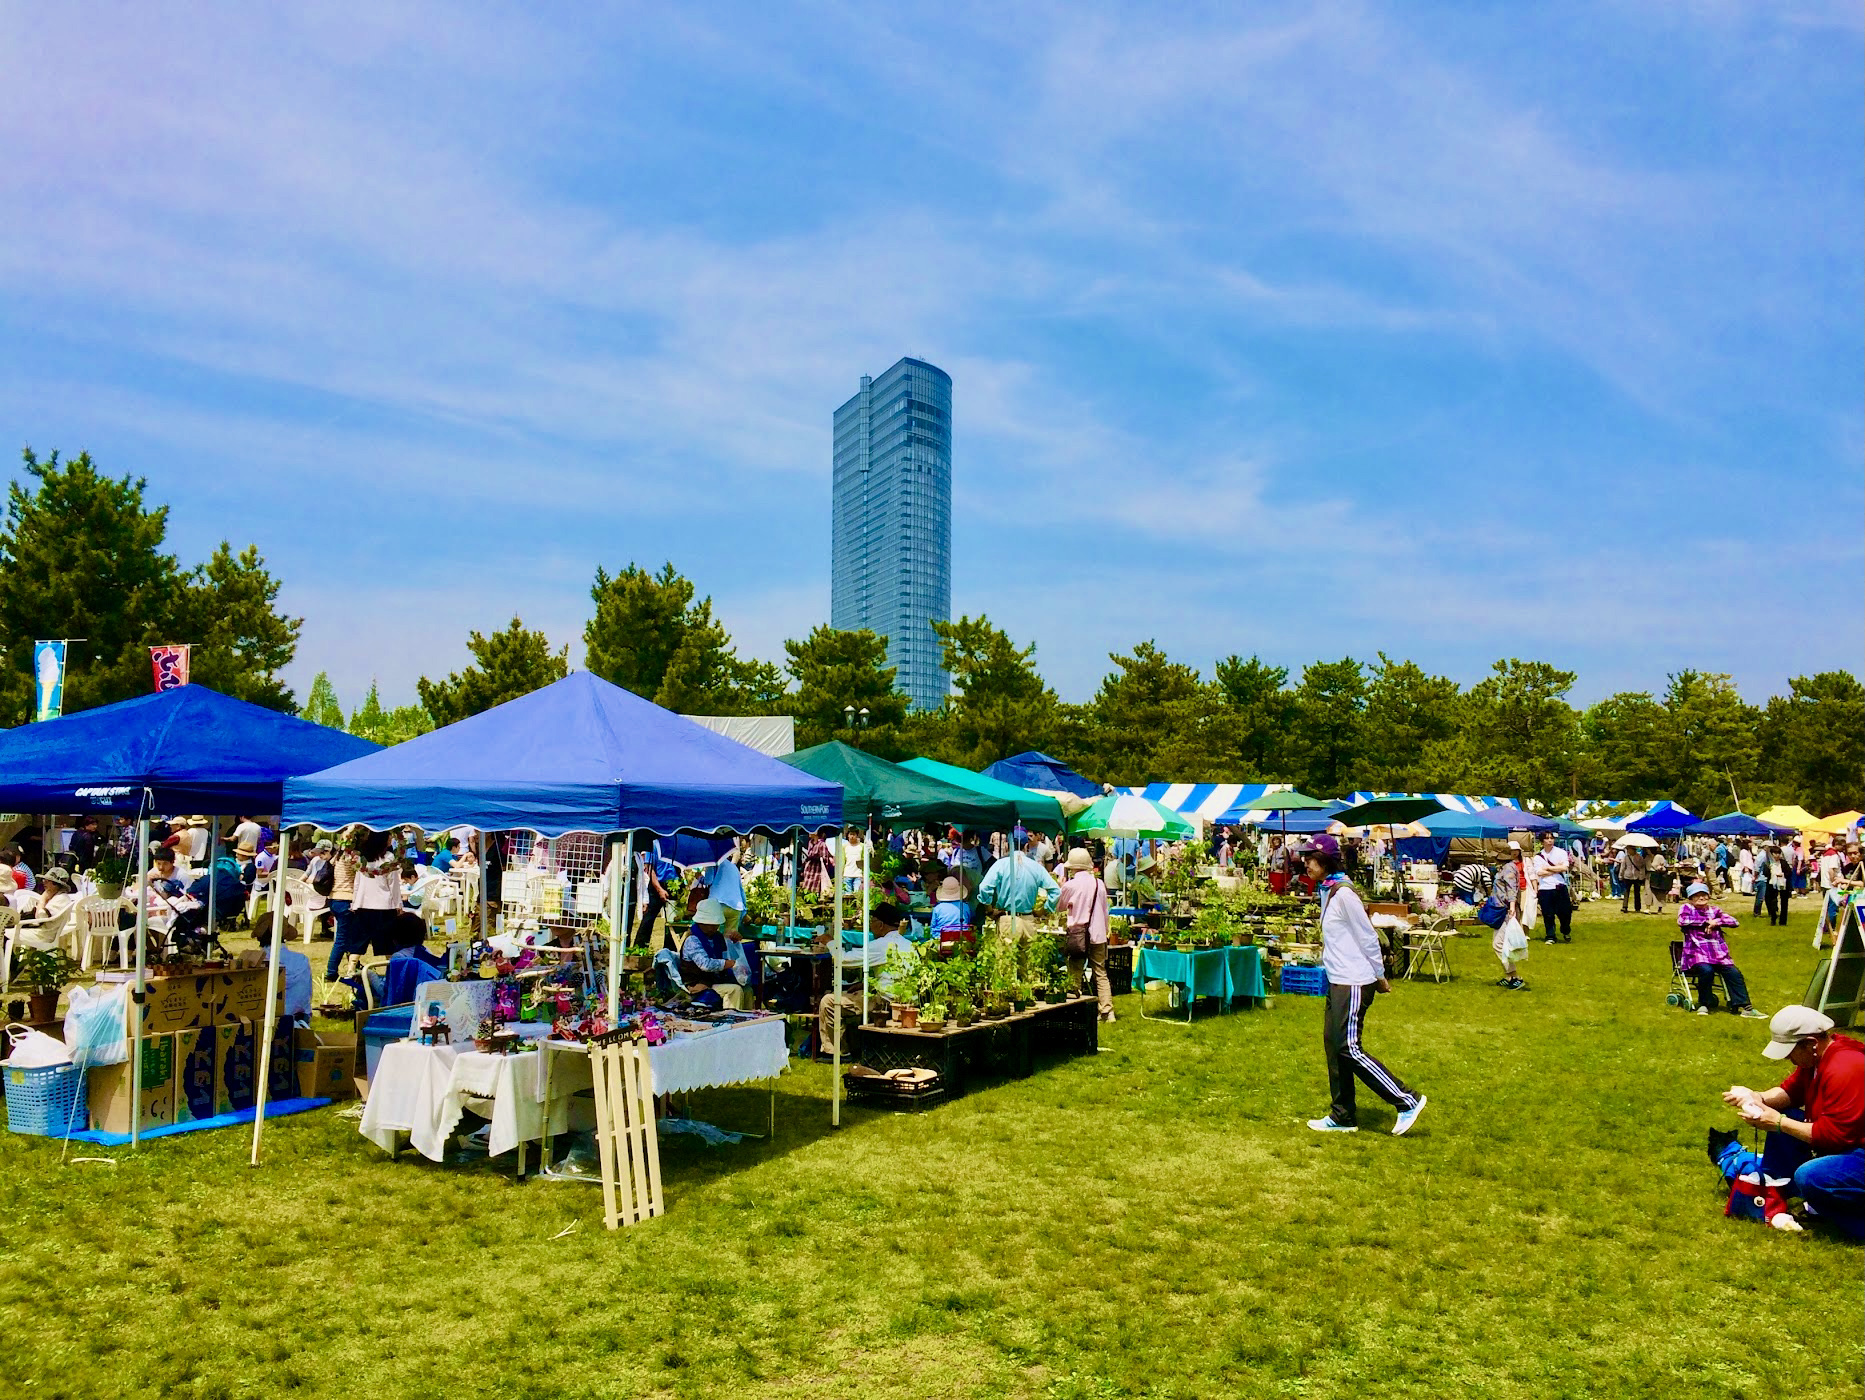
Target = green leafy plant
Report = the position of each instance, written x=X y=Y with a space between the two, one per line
x=44 y=970
x=111 y=869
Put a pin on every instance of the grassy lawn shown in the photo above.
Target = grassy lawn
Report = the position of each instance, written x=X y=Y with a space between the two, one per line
x=1154 y=1221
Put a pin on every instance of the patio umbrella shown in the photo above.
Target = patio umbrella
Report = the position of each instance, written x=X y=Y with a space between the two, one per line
x=1123 y=814
x=1388 y=811
x=1635 y=838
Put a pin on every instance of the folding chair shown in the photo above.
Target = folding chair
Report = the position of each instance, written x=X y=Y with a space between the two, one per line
x=298 y=905
x=1425 y=949
x=1683 y=990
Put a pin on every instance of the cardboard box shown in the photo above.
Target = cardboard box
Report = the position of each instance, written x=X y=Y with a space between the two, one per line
x=283 y=1080
x=326 y=1064
x=240 y=995
x=109 y=1089
x=236 y=1059
x=177 y=1004
x=197 y=1074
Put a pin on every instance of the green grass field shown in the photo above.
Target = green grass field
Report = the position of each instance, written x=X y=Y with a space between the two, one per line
x=1154 y=1221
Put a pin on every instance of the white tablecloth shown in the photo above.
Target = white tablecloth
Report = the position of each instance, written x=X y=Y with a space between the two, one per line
x=422 y=1090
x=693 y=1060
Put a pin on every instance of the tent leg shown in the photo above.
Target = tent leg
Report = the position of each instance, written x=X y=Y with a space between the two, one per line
x=213 y=856
x=617 y=883
x=866 y=904
x=142 y=982
x=835 y=994
x=479 y=838
x=271 y=1023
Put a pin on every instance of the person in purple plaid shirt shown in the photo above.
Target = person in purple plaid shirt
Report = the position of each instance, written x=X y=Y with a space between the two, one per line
x=1706 y=954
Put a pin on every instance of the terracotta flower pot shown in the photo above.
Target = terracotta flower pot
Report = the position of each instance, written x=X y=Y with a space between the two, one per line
x=41 y=1007
x=909 y=1016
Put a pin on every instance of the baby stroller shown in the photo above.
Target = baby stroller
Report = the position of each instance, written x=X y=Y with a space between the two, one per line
x=1683 y=991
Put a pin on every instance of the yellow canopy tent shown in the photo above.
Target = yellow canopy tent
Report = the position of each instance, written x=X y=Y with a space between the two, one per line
x=1797 y=817
x=1838 y=822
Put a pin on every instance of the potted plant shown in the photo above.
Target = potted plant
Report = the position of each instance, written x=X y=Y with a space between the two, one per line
x=109 y=874
x=933 y=1019
x=1020 y=998
x=486 y=1036
x=908 y=1015
x=964 y=1013
x=45 y=972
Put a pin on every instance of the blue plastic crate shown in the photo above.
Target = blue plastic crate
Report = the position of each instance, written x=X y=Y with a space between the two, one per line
x=1300 y=981
x=47 y=1101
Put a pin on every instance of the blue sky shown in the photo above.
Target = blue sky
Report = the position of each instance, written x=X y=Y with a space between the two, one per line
x=1452 y=331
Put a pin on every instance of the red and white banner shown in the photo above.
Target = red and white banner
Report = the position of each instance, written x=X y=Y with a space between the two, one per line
x=170 y=665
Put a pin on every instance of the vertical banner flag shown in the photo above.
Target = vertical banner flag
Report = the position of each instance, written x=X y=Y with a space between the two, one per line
x=48 y=672
x=170 y=665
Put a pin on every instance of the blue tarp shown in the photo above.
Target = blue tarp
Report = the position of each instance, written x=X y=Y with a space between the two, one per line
x=578 y=755
x=195 y=749
x=1040 y=772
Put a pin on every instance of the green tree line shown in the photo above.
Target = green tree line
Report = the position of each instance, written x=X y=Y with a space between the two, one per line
x=82 y=555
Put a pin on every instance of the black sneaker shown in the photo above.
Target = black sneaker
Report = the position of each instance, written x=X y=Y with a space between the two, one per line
x=1718 y=1143
x=1516 y=984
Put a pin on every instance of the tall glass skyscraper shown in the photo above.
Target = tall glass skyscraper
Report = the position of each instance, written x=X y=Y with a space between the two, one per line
x=892 y=536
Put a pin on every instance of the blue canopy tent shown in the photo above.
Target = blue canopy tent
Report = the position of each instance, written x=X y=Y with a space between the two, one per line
x=1490 y=822
x=1736 y=824
x=1041 y=773
x=190 y=749
x=1665 y=819
x=578 y=755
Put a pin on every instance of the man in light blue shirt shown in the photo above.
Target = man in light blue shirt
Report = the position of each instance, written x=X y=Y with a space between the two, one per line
x=1014 y=887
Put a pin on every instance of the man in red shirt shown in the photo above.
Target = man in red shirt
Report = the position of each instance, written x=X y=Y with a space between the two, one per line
x=1823 y=1143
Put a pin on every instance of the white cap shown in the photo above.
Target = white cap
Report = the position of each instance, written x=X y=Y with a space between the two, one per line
x=1515 y=845
x=1791 y=1025
x=710 y=912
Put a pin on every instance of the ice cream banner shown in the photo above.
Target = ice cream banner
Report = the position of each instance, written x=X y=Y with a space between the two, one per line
x=170 y=665
x=48 y=671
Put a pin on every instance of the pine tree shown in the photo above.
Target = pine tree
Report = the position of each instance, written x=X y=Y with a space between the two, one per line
x=511 y=663
x=321 y=707
x=81 y=556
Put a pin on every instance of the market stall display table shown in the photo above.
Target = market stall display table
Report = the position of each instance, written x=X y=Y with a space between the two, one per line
x=423 y=1090
x=741 y=1053
x=1224 y=973
x=1008 y=1044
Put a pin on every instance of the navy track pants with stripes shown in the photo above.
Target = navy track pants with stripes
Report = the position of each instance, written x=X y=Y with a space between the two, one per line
x=1347 y=1057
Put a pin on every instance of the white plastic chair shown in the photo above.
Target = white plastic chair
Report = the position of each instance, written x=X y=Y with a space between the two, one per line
x=95 y=923
x=55 y=932
x=299 y=901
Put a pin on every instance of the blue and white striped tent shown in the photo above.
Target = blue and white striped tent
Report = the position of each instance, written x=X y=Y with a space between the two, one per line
x=1455 y=802
x=1222 y=803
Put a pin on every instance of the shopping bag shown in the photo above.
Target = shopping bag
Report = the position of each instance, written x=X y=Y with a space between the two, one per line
x=1514 y=942
x=34 y=1049
x=1492 y=914
x=96 y=1024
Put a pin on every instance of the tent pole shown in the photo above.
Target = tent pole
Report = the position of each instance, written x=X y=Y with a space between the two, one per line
x=835 y=993
x=479 y=838
x=213 y=855
x=618 y=886
x=867 y=845
x=142 y=983
x=796 y=858
x=271 y=1023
